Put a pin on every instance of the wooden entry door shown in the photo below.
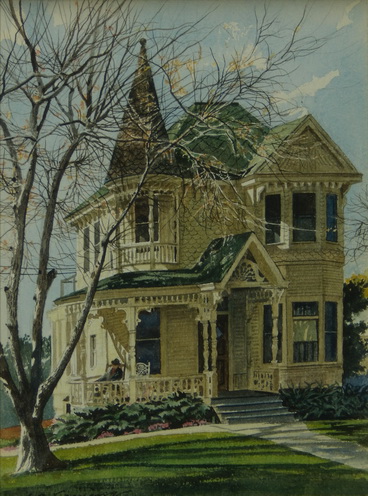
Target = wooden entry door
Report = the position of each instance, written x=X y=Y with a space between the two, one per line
x=222 y=364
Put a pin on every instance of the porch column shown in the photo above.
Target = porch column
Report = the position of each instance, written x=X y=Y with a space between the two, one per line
x=131 y=315
x=213 y=320
x=82 y=357
x=275 y=332
x=206 y=353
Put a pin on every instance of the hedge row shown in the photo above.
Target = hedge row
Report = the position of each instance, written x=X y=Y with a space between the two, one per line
x=316 y=402
x=85 y=424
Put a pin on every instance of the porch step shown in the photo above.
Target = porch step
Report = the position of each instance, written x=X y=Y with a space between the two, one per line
x=246 y=406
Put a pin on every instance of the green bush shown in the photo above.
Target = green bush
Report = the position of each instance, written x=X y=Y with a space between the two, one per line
x=88 y=423
x=316 y=402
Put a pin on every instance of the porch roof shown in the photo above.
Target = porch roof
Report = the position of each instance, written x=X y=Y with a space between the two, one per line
x=212 y=267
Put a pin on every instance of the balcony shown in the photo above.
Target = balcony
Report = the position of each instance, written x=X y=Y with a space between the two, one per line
x=148 y=253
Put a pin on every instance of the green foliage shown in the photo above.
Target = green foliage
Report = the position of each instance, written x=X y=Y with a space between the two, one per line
x=316 y=402
x=355 y=347
x=85 y=424
x=8 y=416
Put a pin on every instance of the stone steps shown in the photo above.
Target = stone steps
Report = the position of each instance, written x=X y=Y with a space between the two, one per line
x=238 y=408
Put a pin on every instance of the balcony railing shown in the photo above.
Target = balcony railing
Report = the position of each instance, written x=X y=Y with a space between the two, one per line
x=146 y=253
x=85 y=393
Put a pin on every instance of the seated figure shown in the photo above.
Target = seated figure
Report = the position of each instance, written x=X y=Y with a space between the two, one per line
x=113 y=373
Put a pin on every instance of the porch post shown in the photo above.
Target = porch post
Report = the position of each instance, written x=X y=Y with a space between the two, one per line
x=275 y=332
x=83 y=376
x=131 y=314
x=213 y=320
x=205 y=346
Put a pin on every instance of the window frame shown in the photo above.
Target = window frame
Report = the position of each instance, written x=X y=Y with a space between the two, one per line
x=331 y=332
x=86 y=249
x=299 y=232
x=331 y=218
x=302 y=351
x=93 y=351
x=273 y=222
x=155 y=368
x=152 y=222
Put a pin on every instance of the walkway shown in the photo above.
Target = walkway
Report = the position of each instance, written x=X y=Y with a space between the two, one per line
x=293 y=435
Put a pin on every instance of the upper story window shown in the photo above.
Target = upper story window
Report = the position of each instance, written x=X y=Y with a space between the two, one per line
x=305 y=330
x=331 y=217
x=273 y=218
x=97 y=239
x=146 y=220
x=86 y=254
x=304 y=217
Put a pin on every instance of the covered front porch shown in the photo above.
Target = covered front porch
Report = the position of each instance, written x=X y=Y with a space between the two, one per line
x=198 y=337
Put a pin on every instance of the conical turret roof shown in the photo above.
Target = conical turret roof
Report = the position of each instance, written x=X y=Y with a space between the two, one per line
x=143 y=134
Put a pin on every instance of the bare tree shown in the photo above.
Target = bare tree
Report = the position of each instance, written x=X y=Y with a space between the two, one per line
x=64 y=93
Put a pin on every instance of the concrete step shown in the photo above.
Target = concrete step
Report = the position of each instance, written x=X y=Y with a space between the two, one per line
x=249 y=407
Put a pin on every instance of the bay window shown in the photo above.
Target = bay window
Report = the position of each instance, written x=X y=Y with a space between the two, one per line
x=305 y=331
x=330 y=331
x=304 y=217
x=331 y=218
x=273 y=218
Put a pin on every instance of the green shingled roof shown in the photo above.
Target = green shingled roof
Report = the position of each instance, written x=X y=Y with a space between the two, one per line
x=226 y=132
x=212 y=267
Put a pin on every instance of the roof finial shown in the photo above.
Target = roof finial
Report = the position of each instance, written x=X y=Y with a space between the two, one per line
x=143 y=42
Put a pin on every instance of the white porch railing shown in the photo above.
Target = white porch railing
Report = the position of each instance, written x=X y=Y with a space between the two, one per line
x=144 y=253
x=84 y=393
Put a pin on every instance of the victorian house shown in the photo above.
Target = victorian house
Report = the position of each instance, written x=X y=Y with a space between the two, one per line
x=232 y=286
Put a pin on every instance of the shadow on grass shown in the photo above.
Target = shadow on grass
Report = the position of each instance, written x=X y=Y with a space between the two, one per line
x=238 y=465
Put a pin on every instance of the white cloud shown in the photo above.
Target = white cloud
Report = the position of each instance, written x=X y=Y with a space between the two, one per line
x=345 y=19
x=308 y=89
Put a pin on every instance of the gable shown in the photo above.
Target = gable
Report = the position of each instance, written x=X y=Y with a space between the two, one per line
x=254 y=267
x=300 y=148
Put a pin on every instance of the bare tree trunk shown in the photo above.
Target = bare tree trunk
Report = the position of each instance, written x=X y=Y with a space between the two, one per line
x=35 y=454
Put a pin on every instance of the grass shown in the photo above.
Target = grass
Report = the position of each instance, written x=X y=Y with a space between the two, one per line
x=347 y=430
x=182 y=464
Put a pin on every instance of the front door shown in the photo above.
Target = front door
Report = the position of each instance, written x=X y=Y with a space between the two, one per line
x=222 y=364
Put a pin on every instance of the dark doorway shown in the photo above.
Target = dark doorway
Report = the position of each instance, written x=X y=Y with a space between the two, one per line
x=222 y=334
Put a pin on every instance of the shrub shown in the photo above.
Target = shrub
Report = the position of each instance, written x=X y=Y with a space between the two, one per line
x=97 y=422
x=316 y=402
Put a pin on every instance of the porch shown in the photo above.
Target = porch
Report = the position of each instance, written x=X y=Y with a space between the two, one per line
x=141 y=389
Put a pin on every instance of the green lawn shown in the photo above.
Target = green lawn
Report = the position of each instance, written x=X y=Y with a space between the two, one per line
x=347 y=430
x=182 y=464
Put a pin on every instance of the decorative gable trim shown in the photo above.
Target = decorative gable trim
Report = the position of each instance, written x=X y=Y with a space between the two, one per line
x=254 y=267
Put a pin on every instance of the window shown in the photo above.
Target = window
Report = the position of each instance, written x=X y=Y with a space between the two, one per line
x=93 y=351
x=330 y=331
x=273 y=218
x=97 y=239
x=86 y=258
x=304 y=217
x=146 y=220
x=305 y=327
x=148 y=340
x=267 y=334
x=331 y=218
